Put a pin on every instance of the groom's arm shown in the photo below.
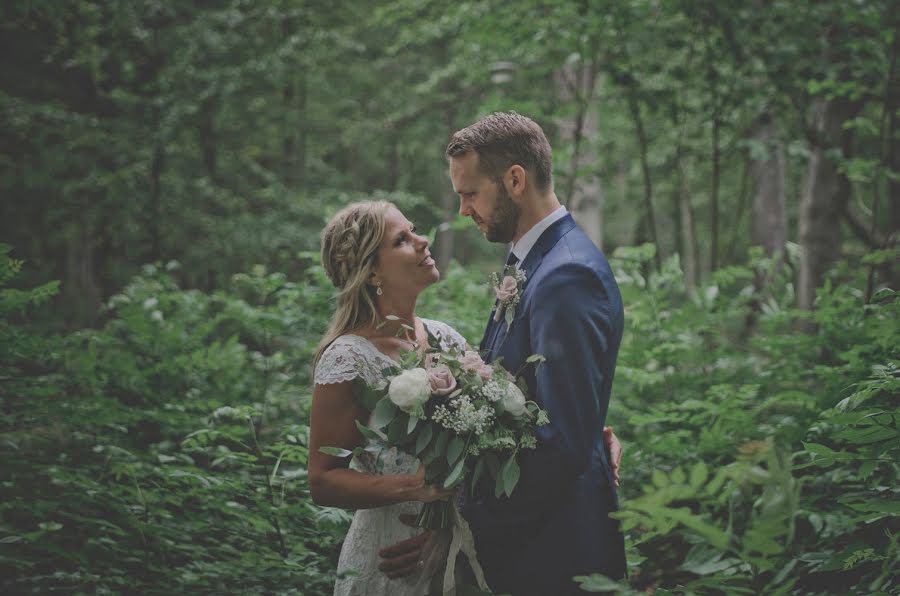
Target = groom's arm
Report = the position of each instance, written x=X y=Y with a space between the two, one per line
x=572 y=327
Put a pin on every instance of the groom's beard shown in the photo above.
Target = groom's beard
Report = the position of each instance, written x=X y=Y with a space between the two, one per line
x=505 y=218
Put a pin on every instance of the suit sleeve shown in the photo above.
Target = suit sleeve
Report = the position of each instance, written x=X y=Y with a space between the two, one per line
x=571 y=327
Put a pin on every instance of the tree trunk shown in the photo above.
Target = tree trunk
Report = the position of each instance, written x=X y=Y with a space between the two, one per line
x=583 y=192
x=825 y=192
x=81 y=288
x=156 y=169
x=207 y=137
x=714 y=198
x=302 y=133
x=648 y=222
x=768 y=226
x=687 y=230
x=892 y=109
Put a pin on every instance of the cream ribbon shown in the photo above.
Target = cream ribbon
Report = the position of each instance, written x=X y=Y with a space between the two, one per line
x=464 y=542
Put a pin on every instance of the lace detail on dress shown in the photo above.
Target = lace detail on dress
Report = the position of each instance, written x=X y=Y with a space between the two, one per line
x=352 y=356
x=349 y=357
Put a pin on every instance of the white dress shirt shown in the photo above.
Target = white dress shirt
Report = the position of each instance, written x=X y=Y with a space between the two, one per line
x=529 y=238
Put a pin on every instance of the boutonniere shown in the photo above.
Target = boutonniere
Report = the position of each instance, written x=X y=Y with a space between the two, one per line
x=508 y=289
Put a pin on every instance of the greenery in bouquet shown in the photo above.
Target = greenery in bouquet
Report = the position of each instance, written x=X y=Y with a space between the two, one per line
x=462 y=418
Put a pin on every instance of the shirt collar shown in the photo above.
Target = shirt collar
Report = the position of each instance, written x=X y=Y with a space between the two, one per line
x=528 y=240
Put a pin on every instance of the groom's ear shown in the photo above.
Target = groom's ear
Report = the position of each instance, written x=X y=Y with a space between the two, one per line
x=516 y=181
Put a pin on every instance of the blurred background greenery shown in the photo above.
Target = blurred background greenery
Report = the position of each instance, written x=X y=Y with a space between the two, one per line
x=166 y=170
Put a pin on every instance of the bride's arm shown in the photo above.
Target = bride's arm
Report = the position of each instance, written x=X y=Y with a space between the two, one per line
x=331 y=483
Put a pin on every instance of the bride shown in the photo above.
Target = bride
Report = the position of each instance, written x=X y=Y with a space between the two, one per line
x=379 y=264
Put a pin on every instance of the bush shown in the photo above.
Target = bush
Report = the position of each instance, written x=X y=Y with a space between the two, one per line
x=760 y=460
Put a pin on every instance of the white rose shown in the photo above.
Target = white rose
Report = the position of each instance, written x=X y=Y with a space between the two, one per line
x=513 y=401
x=410 y=389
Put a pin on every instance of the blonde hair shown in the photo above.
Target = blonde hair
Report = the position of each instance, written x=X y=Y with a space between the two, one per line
x=350 y=245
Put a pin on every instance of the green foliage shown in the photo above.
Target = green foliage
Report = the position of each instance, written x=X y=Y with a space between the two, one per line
x=166 y=451
x=757 y=463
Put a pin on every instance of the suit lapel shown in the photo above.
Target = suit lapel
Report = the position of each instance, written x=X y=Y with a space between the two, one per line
x=496 y=331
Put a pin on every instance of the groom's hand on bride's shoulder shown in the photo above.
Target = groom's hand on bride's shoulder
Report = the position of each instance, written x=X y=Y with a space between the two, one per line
x=407 y=557
x=614 y=448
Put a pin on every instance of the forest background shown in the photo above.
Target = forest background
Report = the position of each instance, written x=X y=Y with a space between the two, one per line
x=167 y=168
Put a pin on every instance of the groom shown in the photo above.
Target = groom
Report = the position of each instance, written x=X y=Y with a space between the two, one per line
x=556 y=524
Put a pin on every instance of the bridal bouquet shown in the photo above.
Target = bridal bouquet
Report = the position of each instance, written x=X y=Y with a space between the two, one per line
x=462 y=418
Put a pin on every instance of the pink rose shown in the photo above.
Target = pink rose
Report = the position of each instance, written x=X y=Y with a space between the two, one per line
x=441 y=379
x=507 y=289
x=472 y=362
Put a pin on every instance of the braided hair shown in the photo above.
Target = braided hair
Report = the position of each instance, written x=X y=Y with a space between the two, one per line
x=350 y=245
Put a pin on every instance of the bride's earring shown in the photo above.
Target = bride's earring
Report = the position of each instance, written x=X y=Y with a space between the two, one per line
x=378 y=290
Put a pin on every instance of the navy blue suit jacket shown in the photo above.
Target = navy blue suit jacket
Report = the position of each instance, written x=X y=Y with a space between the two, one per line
x=556 y=523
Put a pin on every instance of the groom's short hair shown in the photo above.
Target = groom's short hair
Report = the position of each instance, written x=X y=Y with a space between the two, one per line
x=503 y=139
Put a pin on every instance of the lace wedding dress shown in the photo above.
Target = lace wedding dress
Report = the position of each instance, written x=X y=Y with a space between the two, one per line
x=349 y=357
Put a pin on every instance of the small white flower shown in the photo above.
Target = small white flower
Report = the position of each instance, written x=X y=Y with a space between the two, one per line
x=461 y=416
x=513 y=401
x=410 y=389
x=150 y=303
x=157 y=316
x=493 y=391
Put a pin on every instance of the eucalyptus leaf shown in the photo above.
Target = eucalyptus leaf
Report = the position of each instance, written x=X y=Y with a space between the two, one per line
x=384 y=413
x=477 y=473
x=367 y=432
x=440 y=445
x=456 y=474
x=510 y=474
x=455 y=449
x=336 y=451
x=424 y=438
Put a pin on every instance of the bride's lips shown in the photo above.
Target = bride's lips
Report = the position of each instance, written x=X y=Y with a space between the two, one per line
x=427 y=261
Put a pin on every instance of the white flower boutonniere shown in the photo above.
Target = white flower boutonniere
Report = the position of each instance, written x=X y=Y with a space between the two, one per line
x=508 y=289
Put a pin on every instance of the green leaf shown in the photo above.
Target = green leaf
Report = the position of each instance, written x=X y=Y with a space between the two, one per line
x=456 y=474
x=424 y=438
x=818 y=449
x=601 y=583
x=411 y=424
x=476 y=474
x=396 y=430
x=510 y=474
x=384 y=413
x=455 y=449
x=498 y=486
x=536 y=358
x=367 y=432
x=440 y=445
x=336 y=451
x=659 y=478
x=699 y=474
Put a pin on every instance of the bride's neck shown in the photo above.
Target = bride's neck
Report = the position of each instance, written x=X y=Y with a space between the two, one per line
x=403 y=310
